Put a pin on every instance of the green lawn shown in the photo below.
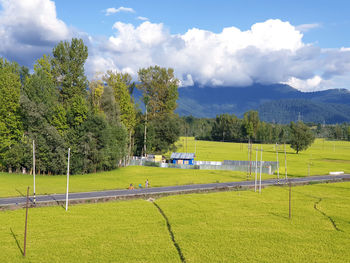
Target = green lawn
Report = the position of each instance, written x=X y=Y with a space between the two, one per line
x=322 y=157
x=238 y=226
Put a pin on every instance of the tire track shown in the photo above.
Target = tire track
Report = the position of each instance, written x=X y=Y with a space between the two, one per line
x=320 y=211
x=171 y=233
x=324 y=214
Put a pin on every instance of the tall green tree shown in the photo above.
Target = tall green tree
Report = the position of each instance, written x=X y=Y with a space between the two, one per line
x=301 y=136
x=10 y=117
x=68 y=68
x=251 y=123
x=119 y=83
x=96 y=89
x=226 y=128
x=109 y=106
x=159 y=86
x=44 y=122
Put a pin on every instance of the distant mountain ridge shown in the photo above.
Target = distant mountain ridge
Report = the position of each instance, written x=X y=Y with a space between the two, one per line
x=276 y=103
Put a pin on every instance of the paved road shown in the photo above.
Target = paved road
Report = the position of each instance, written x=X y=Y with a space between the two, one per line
x=54 y=198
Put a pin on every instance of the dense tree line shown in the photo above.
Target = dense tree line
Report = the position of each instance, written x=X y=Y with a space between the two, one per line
x=229 y=128
x=58 y=108
x=334 y=132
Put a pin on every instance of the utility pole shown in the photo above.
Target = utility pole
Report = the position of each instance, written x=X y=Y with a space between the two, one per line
x=250 y=161
x=299 y=117
x=261 y=150
x=67 y=180
x=323 y=145
x=145 y=134
x=285 y=160
x=25 y=226
x=34 y=196
x=290 y=200
x=256 y=167
x=195 y=146
x=186 y=137
x=278 y=165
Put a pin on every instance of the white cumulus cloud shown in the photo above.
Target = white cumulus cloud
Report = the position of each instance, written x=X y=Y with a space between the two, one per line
x=231 y=57
x=311 y=84
x=29 y=28
x=112 y=10
x=307 y=27
x=269 y=52
x=272 y=51
x=142 y=18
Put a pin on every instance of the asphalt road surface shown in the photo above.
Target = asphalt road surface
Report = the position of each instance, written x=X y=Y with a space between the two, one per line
x=143 y=192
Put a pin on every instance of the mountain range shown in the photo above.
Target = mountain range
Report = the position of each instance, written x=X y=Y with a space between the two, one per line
x=278 y=103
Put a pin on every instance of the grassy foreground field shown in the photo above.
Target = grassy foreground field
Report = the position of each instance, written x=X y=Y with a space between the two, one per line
x=321 y=158
x=218 y=227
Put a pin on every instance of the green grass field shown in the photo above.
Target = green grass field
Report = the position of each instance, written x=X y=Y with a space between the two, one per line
x=322 y=157
x=238 y=226
x=16 y=184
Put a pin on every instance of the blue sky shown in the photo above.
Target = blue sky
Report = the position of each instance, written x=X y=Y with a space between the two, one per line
x=332 y=17
x=229 y=43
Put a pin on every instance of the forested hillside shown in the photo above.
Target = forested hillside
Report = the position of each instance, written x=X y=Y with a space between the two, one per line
x=280 y=103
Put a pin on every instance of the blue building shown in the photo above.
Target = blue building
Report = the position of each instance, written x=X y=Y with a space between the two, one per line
x=182 y=158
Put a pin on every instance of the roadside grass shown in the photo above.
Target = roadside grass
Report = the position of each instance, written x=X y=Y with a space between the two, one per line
x=321 y=158
x=236 y=226
x=16 y=184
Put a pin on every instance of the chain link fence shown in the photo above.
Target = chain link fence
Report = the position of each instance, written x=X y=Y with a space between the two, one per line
x=243 y=166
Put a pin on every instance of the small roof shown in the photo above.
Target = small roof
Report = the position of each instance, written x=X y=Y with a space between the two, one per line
x=184 y=156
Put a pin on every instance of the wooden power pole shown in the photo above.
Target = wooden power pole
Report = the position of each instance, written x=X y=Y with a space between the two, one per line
x=278 y=165
x=25 y=226
x=34 y=196
x=67 y=179
x=145 y=135
x=290 y=200
x=285 y=160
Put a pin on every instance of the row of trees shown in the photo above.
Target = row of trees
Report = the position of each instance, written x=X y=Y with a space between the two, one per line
x=334 y=132
x=99 y=120
x=229 y=128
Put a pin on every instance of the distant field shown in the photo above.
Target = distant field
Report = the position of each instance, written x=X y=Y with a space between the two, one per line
x=238 y=226
x=321 y=158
